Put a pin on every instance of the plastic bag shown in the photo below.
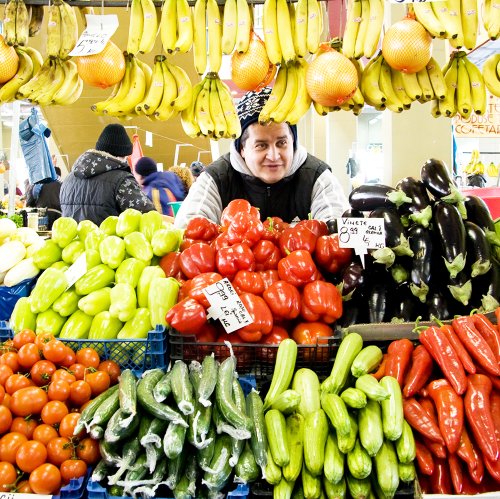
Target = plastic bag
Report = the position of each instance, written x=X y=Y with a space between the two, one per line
x=10 y=295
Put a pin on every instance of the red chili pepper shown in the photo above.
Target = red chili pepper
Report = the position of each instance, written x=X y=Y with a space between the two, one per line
x=470 y=487
x=380 y=372
x=244 y=229
x=298 y=268
x=476 y=344
x=489 y=332
x=419 y=419
x=317 y=227
x=478 y=413
x=436 y=449
x=493 y=468
x=477 y=474
x=266 y=254
x=262 y=318
x=440 y=478
x=495 y=412
x=200 y=282
x=466 y=452
x=201 y=229
x=297 y=238
x=330 y=256
x=458 y=346
x=450 y=412
x=237 y=206
x=246 y=281
x=456 y=473
x=425 y=461
x=269 y=276
x=187 y=316
x=283 y=299
x=321 y=301
x=233 y=258
x=439 y=347
x=420 y=371
x=399 y=354
x=171 y=264
x=197 y=259
x=495 y=380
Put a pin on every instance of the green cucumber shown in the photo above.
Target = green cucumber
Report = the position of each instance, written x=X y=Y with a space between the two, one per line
x=220 y=470
x=109 y=453
x=127 y=392
x=90 y=409
x=162 y=389
x=246 y=468
x=238 y=443
x=175 y=471
x=105 y=410
x=258 y=438
x=120 y=426
x=208 y=380
x=182 y=389
x=101 y=471
x=173 y=441
x=204 y=454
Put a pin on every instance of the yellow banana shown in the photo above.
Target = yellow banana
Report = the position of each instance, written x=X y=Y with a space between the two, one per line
x=351 y=28
x=36 y=19
x=69 y=29
x=393 y=102
x=149 y=27
x=275 y=97
x=29 y=87
x=24 y=72
x=469 y=15
x=491 y=18
x=168 y=25
x=184 y=87
x=135 y=94
x=83 y=11
x=36 y=58
x=454 y=8
x=155 y=93
x=136 y=27
x=411 y=86
x=285 y=105
x=122 y=91
x=98 y=107
x=202 y=110
x=399 y=88
x=436 y=78
x=184 y=27
x=66 y=91
x=188 y=120
x=165 y=110
x=22 y=23
x=200 y=36
x=314 y=25
x=148 y=72
x=447 y=106
x=303 y=100
x=435 y=112
x=214 y=27
x=374 y=29
x=285 y=34
x=445 y=18
x=229 y=27
x=358 y=99
x=244 y=26
x=216 y=111
x=427 y=18
x=300 y=31
x=463 y=93
x=9 y=22
x=370 y=82
x=426 y=85
x=359 y=48
x=232 y=121
x=54 y=31
x=491 y=75
x=320 y=109
x=75 y=94
x=270 y=27
x=45 y=98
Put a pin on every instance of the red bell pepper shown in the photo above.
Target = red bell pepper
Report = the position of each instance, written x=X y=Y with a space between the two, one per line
x=456 y=473
x=459 y=347
x=283 y=299
x=489 y=332
x=200 y=282
x=237 y=206
x=274 y=338
x=171 y=265
x=330 y=256
x=317 y=227
x=321 y=301
x=419 y=419
x=297 y=238
x=273 y=227
x=298 y=268
x=266 y=254
x=233 y=258
x=450 y=412
x=439 y=347
x=476 y=345
x=479 y=417
x=187 y=316
x=425 y=461
x=220 y=242
x=420 y=371
x=316 y=334
x=197 y=259
x=186 y=243
x=201 y=229
x=261 y=315
x=440 y=478
x=399 y=355
x=269 y=276
x=246 y=281
x=244 y=229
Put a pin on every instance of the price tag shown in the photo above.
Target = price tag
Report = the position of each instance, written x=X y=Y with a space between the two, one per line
x=77 y=270
x=226 y=306
x=361 y=234
x=414 y=1
x=95 y=36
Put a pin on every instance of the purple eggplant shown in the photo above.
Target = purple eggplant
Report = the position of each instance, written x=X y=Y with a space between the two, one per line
x=381 y=296
x=479 y=213
x=421 y=243
x=486 y=289
x=367 y=197
x=354 y=311
x=394 y=230
x=408 y=307
x=352 y=213
x=353 y=280
x=460 y=287
x=478 y=249
x=420 y=209
x=438 y=304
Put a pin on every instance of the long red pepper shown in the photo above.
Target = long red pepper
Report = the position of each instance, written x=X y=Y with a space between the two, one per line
x=398 y=359
x=466 y=452
x=477 y=474
x=489 y=332
x=476 y=344
x=458 y=346
x=420 y=371
x=437 y=449
x=495 y=412
x=456 y=473
x=440 y=479
x=439 y=347
x=380 y=372
x=425 y=461
x=478 y=413
x=450 y=412
x=493 y=468
x=419 y=419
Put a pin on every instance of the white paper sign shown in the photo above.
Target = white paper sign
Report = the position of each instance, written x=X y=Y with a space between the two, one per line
x=414 y=1
x=77 y=270
x=95 y=36
x=226 y=306
x=361 y=234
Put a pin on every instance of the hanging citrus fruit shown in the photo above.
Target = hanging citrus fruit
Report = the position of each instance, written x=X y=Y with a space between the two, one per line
x=9 y=61
x=103 y=69
x=407 y=46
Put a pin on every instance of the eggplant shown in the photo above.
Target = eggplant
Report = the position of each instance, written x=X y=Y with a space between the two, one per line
x=416 y=191
x=436 y=177
x=354 y=311
x=367 y=197
x=461 y=287
x=486 y=289
x=352 y=213
x=479 y=213
x=394 y=230
x=421 y=243
x=381 y=296
x=353 y=280
x=408 y=307
x=438 y=305
x=450 y=230
x=478 y=258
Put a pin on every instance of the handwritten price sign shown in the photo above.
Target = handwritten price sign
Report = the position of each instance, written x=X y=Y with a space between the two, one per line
x=96 y=35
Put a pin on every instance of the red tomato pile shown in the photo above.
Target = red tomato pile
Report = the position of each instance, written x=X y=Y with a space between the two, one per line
x=283 y=275
x=44 y=385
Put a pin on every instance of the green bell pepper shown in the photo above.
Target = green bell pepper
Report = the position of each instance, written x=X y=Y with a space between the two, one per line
x=64 y=230
x=47 y=254
x=128 y=222
x=49 y=322
x=72 y=251
x=22 y=317
x=138 y=246
x=50 y=285
x=96 y=302
x=130 y=271
x=67 y=303
x=137 y=327
x=84 y=227
x=150 y=223
x=108 y=225
x=112 y=251
x=60 y=266
x=97 y=277
x=104 y=327
x=93 y=258
x=93 y=239
x=162 y=296
x=123 y=301
x=166 y=240
x=148 y=274
x=77 y=326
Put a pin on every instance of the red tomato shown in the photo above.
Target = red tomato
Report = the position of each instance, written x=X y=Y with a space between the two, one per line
x=42 y=371
x=5 y=419
x=112 y=368
x=88 y=357
x=99 y=382
x=44 y=433
x=69 y=359
x=30 y=455
x=54 y=350
x=26 y=426
x=8 y=476
x=5 y=372
x=88 y=450
x=68 y=424
x=16 y=382
x=59 y=390
x=28 y=355
x=43 y=338
x=23 y=337
x=73 y=468
x=10 y=359
x=46 y=479
x=53 y=412
x=9 y=444
x=29 y=400
x=59 y=449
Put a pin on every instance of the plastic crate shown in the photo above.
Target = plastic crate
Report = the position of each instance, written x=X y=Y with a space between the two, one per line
x=139 y=355
x=75 y=489
x=96 y=491
x=255 y=358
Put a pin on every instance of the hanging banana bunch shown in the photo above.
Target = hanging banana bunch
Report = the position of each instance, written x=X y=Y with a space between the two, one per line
x=207 y=31
x=491 y=74
x=176 y=26
x=16 y=23
x=142 y=28
x=237 y=26
x=36 y=19
x=62 y=30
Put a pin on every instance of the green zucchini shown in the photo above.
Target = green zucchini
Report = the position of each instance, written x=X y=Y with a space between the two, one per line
x=405 y=445
x=90 y=409
x=358 y=489
x=346 y=442
x=208 y=380
x=407 y=472
x=333 y=468
x=127 y=392
x=283 y=489
x=181 y=386
x=246 y=469
x=367 y=360
x=162 y=389
x=353 y=397
x=392 y=409
x=272 y=472
x=336 y=411
x=372 y=388
x=306 y=384
x=105 y=410
x=276 y=437
x=298 y=492
x=120 y=426
x=386 y=467
x=359 y=462
x=310 y=484
x=295 y=437
x=173 y=441
x=315 y=436
x=335 y=490
x=287 y=402
x=220 y=470
x=258 y=438
x=370 y=430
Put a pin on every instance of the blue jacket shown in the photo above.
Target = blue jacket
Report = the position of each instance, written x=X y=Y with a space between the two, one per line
x=164 y=187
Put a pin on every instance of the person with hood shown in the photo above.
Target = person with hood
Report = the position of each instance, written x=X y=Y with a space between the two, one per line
x=101 y=183
x=267 y=167
x=161 y=187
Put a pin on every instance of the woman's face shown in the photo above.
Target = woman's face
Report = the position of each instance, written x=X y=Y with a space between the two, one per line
x=268 y=151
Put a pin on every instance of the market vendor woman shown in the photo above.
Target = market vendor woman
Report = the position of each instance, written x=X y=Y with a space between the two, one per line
x=267 y=167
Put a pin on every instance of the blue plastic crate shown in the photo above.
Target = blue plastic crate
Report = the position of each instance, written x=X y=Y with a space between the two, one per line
x=6 y=332
x=96 y=491
x=75 y=489
x=247 y=382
